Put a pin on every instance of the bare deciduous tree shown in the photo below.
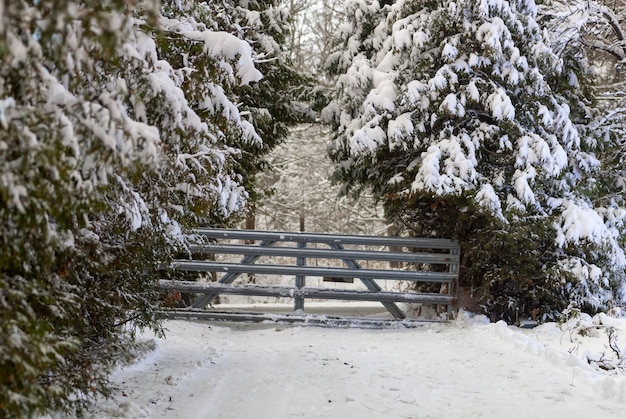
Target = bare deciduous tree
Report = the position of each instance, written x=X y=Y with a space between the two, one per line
x=303 y=191
x=314 y=27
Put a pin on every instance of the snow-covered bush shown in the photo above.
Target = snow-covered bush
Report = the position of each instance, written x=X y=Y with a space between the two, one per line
x=117 y=121
x=466 y=122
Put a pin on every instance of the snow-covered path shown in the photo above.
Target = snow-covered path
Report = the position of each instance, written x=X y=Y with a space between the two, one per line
x=464 y=369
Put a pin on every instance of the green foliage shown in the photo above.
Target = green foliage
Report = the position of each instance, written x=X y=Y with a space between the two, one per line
x=270 y=104
x=71 y=288
x=519 y=272
x=118 y=132
x=513 y=266
x=465 y=122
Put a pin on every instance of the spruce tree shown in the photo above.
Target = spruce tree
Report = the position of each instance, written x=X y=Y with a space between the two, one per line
x=116 y=123
x=272 y=103
x=466 y=123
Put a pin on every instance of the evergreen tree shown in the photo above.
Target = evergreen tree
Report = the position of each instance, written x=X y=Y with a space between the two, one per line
x=279 y=98
x=466 y=123
x=117 y=121
x=596 y=31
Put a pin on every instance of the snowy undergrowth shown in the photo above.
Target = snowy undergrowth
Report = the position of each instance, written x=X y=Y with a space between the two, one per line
x=583 y=347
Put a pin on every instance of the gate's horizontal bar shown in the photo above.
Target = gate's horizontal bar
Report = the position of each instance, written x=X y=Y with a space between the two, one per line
x=306 y=292
x=419 y=276
x=441 y=258
x=306 y=320
x=327 y=238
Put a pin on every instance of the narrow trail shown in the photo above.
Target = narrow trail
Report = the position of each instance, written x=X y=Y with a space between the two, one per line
x=436 y=371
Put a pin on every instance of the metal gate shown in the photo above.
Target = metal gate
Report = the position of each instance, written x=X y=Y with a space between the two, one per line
x=434 y=261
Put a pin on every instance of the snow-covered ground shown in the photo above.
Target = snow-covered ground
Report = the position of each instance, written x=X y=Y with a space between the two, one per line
x=468 y=368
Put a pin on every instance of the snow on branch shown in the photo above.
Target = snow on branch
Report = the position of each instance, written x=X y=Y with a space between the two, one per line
x=581 y=223
x=588 y=23
x=225 y=45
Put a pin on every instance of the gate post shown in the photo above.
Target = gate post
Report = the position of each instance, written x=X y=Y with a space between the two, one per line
x=300 y=281
x=453 y=287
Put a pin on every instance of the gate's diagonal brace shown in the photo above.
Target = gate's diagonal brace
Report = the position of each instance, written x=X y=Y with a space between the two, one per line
x=205 y=300
x=370 y=284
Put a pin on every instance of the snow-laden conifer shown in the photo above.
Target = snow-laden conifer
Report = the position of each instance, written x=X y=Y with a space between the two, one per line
x=117 y=121
x=268 y=104
x=455 y=112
